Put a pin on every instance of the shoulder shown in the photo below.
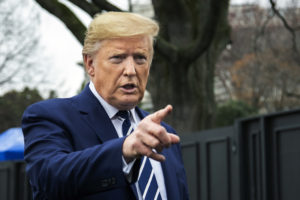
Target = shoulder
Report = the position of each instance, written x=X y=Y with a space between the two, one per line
x=50 y=104
x=63 y=103
x=48 y=109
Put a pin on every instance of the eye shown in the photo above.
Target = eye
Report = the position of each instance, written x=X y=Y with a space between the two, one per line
x=116 y=59
x=140 y=59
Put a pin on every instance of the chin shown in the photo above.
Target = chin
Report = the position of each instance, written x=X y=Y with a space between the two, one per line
x=128 y=102
x=127 y=105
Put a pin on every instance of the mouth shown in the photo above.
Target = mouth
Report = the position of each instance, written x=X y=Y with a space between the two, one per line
x=129 y=88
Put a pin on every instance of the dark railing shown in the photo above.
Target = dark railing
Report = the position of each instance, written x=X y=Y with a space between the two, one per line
x=255 y=159
x=13 y=182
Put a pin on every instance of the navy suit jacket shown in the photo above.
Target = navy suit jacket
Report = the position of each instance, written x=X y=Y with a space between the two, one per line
x=72 y=151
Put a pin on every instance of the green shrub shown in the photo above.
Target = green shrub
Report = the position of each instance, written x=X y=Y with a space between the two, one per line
x=232 y=110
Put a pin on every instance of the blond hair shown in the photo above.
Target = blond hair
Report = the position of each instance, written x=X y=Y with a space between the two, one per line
x=111 y=25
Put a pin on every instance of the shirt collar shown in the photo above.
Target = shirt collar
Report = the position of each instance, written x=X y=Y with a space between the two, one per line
x=110 y=110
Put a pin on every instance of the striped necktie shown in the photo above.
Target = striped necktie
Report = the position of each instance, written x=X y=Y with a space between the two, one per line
x=146 y=181
x=126 y=126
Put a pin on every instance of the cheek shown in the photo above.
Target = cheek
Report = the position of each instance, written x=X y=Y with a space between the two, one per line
x=108 y=80
x=144 y=78
x=146 y=75
x=100 y=79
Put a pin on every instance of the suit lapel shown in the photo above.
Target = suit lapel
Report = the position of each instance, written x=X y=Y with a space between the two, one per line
x=95 y=115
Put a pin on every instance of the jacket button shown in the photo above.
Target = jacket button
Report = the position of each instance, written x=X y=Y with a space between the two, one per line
x=107 y=182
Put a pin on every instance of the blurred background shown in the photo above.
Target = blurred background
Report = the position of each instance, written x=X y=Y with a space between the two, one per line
x=215 y=61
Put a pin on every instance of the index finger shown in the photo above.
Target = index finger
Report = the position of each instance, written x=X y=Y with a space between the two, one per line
x=159 y=115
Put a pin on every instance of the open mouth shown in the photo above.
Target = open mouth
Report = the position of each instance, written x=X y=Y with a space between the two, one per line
x=129 y=86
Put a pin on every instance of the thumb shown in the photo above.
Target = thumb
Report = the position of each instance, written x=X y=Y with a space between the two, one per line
x=159 y=115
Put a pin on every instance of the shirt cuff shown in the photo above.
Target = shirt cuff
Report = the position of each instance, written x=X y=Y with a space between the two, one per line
x=127 y=169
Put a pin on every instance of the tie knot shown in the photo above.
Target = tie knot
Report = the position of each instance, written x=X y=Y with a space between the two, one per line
x=123 y=113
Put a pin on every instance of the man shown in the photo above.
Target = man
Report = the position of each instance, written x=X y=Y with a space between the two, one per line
x=99 y=144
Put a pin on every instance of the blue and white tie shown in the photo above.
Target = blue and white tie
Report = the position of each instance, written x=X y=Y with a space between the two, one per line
x=146 y=181
x=126 y=126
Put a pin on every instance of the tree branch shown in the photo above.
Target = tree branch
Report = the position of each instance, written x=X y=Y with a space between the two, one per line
x=260 y=33
x=203 y=42
x=199 y=45
x=290 y=94
x=104 y=5
x=276 y=11
x=89 y=8
x=287 y=26
x=166 y=49
x=66 y=16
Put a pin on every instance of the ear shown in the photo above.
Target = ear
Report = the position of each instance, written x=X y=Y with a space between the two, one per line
x=89 y=66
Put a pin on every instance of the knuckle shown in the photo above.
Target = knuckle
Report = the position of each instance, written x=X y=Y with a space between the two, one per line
x=161 y=130
x=147 y=153
x=138 y=134
x=135 y=145
x=155 y=143
x=143 y=122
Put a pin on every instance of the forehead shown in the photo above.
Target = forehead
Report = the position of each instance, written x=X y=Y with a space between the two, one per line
x=140 y=44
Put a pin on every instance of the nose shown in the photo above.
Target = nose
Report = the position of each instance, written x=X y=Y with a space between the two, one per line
x=129 y=68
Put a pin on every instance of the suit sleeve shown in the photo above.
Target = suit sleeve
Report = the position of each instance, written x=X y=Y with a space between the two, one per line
x=56 y=170
x=181 y=175
x=182 y=178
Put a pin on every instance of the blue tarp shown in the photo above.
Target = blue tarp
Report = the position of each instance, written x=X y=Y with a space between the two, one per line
x=12 y=145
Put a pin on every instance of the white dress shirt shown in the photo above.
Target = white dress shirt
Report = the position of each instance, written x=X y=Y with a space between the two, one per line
x=134 y=119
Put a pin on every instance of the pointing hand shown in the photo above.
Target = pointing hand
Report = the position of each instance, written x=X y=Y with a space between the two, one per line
x=149 y=138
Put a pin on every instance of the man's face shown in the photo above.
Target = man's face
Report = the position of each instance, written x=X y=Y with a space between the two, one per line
x=120 y=69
